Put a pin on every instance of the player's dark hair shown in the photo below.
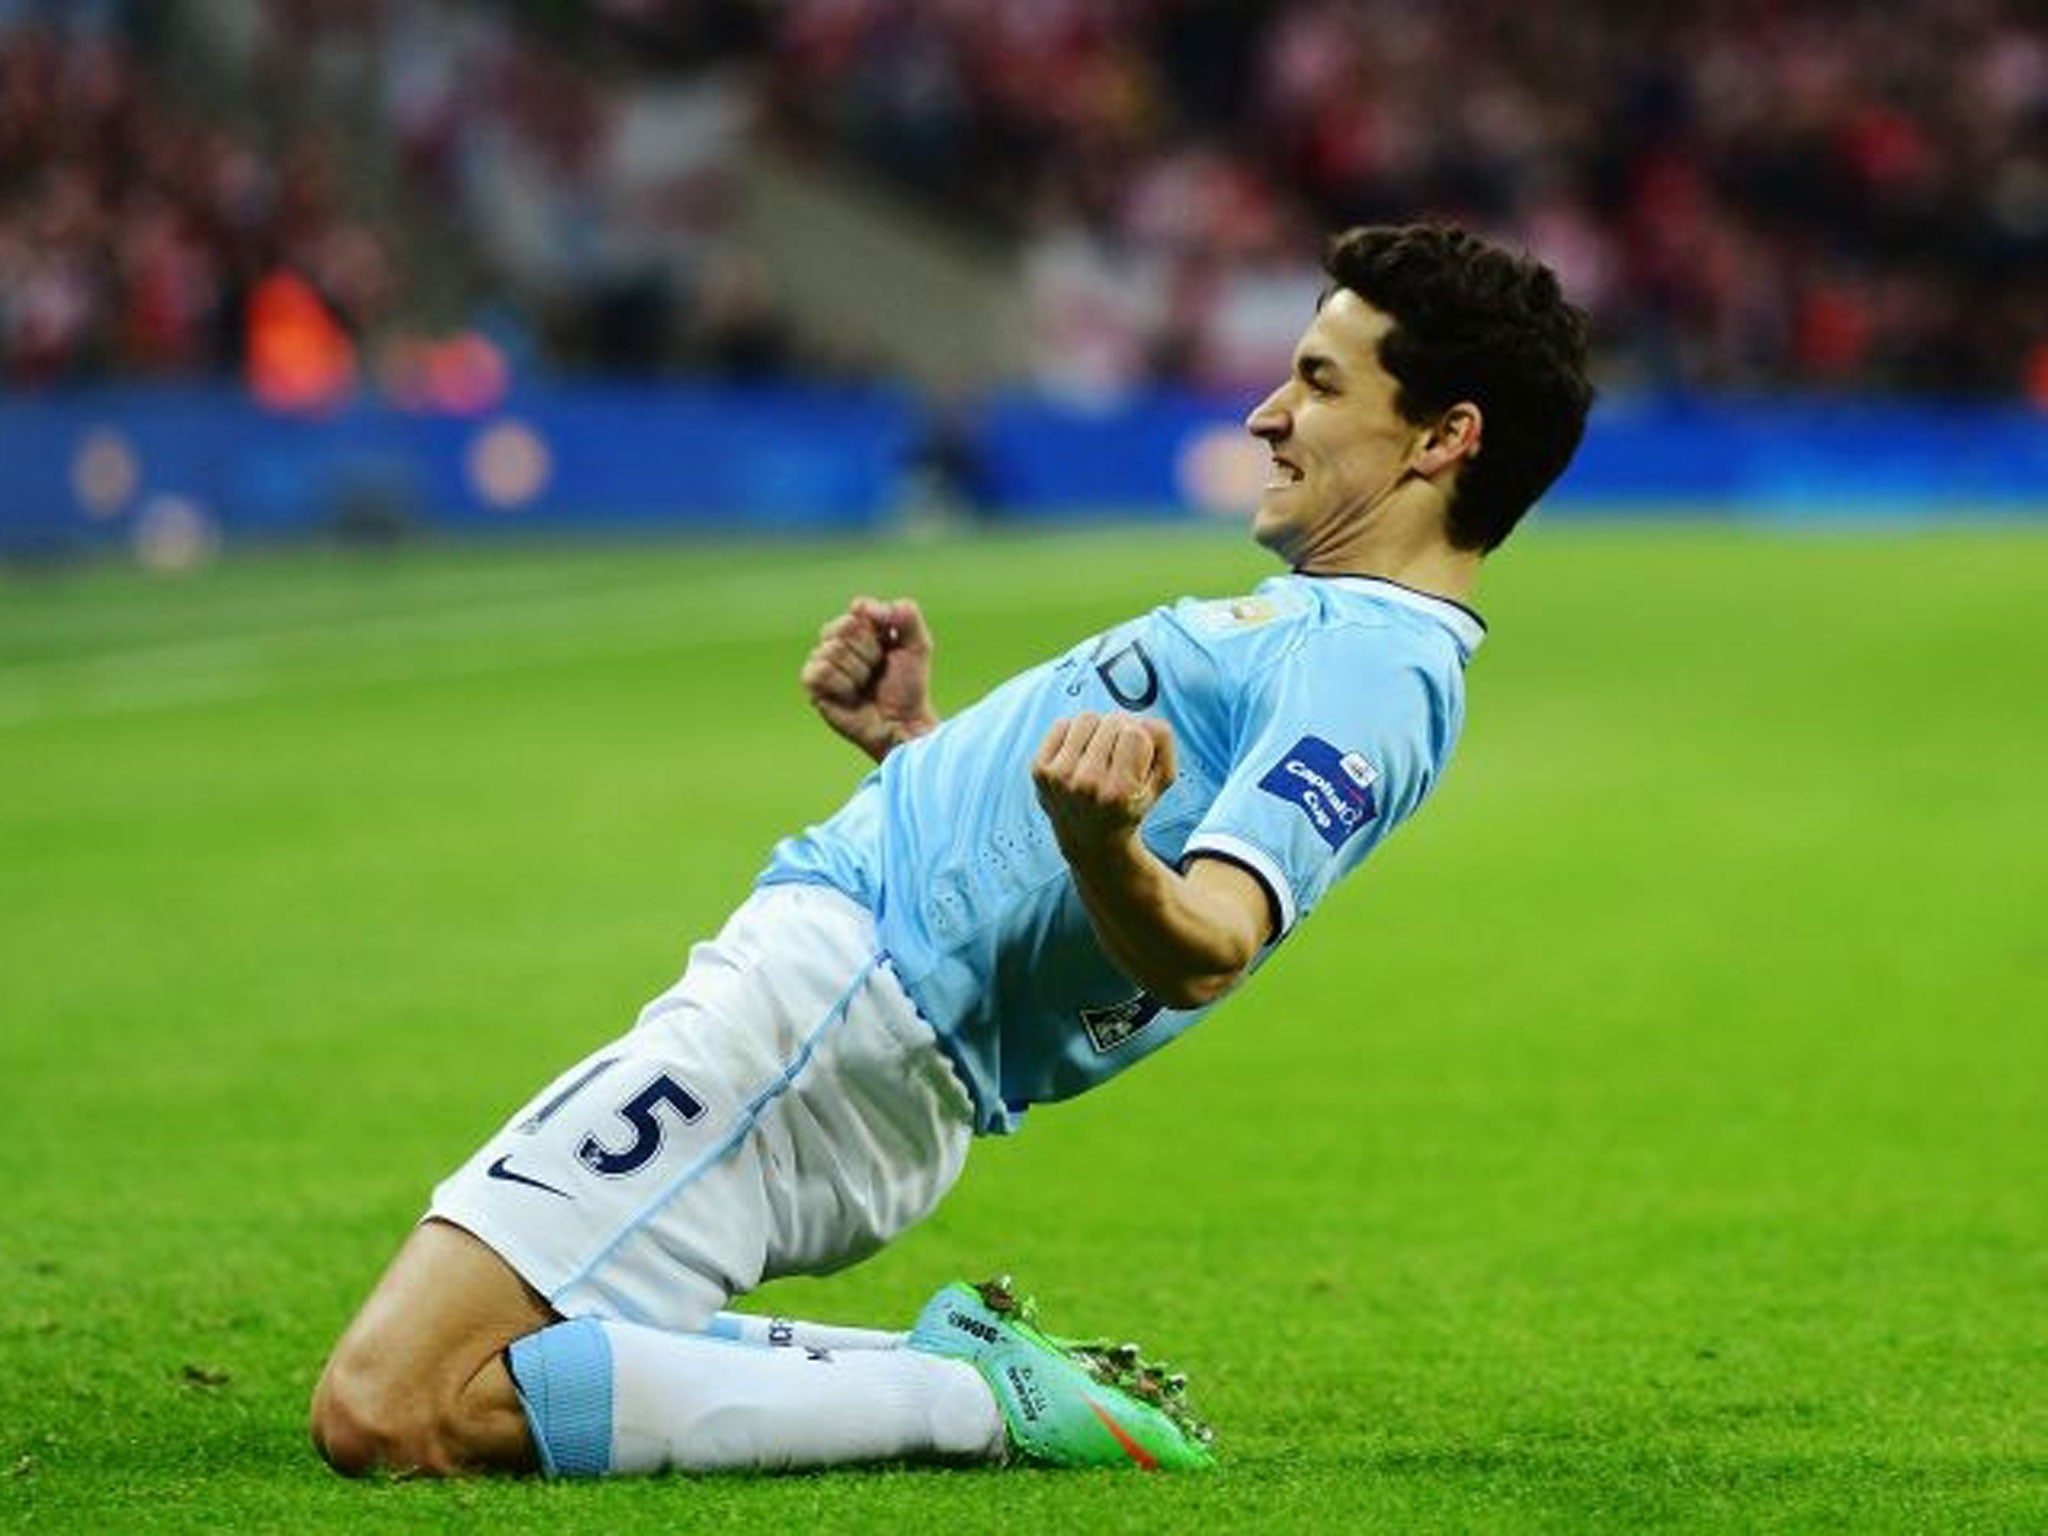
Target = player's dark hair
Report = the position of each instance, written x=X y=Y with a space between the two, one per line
x=1475 y=322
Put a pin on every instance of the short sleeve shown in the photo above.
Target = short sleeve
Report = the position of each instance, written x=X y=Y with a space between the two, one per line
x=1334 y=744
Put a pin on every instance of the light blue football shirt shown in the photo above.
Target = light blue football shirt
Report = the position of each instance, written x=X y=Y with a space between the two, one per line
x=1311 y=718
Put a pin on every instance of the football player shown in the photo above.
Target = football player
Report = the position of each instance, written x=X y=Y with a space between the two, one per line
x=1015 y=905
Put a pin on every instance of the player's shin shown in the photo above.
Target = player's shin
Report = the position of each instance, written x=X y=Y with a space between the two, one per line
x=605 y=1397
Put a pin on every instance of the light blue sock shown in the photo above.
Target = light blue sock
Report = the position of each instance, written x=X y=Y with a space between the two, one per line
x=564 y=1378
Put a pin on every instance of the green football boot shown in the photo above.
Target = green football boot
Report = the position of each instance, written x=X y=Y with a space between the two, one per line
x=1065 y=1404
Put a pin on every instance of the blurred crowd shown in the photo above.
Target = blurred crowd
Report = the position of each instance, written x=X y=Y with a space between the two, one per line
x=1750 y=195
x=138 y=236
x=319 y=194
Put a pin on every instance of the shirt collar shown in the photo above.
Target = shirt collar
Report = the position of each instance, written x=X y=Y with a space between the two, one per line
x=1462 y=622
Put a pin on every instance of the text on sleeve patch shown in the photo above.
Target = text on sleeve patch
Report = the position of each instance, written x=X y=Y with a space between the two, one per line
x=1333 y=788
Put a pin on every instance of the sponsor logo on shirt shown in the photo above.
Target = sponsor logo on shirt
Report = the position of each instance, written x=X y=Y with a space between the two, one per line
x=1331 y=787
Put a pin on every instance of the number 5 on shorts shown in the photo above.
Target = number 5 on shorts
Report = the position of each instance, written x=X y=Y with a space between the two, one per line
x=639 y=1113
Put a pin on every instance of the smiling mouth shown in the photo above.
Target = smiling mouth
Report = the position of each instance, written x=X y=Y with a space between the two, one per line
x=1284 y=474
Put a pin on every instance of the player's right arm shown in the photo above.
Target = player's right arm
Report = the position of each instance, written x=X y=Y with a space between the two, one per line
x=1186 y=937
x=869 y=675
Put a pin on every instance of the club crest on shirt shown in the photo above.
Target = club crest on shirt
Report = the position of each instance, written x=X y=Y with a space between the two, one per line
x=1331 y=787
x=1110 y=1027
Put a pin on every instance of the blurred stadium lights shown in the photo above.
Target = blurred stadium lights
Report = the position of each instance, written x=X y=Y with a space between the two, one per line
x=509 y=465
x=105 y=473
x=1220 y=470
x=174 y=533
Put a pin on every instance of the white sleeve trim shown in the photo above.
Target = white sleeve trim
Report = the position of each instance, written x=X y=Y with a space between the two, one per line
x=1259 y=862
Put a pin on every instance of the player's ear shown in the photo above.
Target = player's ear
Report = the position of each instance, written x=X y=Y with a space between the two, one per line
x=1451 y=439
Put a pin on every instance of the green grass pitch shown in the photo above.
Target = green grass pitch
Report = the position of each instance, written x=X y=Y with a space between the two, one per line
x=1654 y=1135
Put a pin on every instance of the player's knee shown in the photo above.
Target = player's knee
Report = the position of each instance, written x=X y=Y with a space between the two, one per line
x=343 y=1437
x=362 y=1422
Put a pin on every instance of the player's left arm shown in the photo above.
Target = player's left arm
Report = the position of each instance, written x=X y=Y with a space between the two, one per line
x=1185 y=937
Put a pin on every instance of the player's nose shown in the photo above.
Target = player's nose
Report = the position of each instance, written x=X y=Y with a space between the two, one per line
x=1270 y=418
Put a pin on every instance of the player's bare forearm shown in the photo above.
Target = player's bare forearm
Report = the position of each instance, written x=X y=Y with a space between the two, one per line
x=869 y=675
x=1184 y=938
x=877 y=739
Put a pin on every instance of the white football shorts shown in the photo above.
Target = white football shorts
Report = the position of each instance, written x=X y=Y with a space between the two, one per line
x=783 y=1109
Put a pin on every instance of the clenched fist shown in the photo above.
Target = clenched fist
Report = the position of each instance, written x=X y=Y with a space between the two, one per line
x=1097 y=776
x=869 y=675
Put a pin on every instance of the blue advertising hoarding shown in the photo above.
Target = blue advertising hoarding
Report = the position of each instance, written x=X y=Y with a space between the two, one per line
x=80 y=470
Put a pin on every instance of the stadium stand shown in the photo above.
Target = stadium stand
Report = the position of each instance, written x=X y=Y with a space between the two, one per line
x=1753 y=195
x=1756 y=195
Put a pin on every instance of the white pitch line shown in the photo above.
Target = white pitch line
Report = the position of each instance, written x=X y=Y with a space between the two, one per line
x=373 y=650
x=377 y=649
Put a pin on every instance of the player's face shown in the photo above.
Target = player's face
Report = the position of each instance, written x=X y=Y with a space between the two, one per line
x=1338 y=444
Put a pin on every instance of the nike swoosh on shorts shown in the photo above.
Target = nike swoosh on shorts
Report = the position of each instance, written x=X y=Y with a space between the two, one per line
x=498 y=1170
